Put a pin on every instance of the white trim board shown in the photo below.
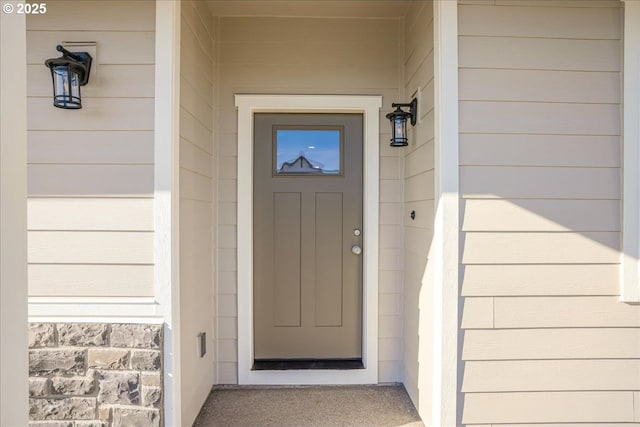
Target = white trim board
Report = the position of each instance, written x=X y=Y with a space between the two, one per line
x=369 y=106
x=630 y=286
x=95 y=309
x=166 y=198
x=14 y=370
x=446 y=223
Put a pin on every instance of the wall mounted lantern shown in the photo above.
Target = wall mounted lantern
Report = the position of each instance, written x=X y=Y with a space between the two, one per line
x=69 y=72
x=398 y=119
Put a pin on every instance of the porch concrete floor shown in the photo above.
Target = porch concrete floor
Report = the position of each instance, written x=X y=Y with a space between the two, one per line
x=318 y=406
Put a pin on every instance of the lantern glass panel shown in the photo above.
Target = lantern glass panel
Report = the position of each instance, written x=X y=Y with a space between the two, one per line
x=66 y=86
x=400 y=126
x=60 y=81
x=75 y=84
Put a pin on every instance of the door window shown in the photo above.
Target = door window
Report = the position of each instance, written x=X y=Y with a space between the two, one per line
x=308 y=151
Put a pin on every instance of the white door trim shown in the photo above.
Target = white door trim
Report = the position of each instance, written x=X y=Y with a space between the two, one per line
x=369 y=106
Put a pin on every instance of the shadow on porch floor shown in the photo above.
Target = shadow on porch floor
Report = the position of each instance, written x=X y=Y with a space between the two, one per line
x=318 y=406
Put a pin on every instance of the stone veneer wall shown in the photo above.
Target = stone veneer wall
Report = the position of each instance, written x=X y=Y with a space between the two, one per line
x=95 y=375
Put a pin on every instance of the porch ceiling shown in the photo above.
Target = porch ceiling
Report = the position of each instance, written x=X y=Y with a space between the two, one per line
x=310 y=8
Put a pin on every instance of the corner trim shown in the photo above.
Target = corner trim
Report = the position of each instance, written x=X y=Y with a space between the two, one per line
x=446 y=222
x=630 y=283
x=14 y=370
x=166 y=198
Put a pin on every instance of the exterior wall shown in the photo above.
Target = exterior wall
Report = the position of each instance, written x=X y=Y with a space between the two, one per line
x=301 y=56
x=546 y=339
x=90 y=172
x=418 y=187
x=95 y=375
x=197 y=58
x=91 y=219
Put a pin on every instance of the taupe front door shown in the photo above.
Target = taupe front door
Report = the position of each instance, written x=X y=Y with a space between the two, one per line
x=307 y=222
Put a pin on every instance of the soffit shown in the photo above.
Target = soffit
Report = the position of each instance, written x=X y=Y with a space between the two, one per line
x=310 y=8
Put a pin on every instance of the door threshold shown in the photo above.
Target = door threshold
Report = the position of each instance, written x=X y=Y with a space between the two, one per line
x=291 y=364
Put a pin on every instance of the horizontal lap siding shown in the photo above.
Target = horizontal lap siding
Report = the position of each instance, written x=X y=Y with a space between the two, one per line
x=551 y=343
x=197 y=65
x=279 y=55
x=539 y=150
x=541 y=215
x=546 y=340
x=103 y=279
x=540 y=279
x=90 y=172
x=547 y=407
x=544 y=375
x=418 y=183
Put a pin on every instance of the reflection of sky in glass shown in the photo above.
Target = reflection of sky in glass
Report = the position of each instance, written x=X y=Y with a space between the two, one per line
x=320 y=146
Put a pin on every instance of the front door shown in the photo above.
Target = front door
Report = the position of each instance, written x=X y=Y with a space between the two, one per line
x=307 y=235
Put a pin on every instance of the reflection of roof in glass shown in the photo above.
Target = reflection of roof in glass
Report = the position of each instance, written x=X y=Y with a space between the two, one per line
x=300 y=165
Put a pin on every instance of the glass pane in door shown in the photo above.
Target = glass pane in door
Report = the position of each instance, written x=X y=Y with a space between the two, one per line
x=308 y=151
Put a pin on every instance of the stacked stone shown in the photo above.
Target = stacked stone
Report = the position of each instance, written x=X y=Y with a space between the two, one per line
x=95 y=375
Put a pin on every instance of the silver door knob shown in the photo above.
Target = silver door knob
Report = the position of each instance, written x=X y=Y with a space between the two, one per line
x=356 y=250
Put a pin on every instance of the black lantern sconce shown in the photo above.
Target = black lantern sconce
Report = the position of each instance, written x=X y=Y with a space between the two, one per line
x=68 y=73
x=398 y=119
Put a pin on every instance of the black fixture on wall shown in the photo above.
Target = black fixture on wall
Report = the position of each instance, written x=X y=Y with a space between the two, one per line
x=68 y=73
x=399 y=118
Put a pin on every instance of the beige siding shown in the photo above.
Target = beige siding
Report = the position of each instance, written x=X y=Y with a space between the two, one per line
x=540 y=279
x=90 y=247
x=543 y=375
x=418 y=192
x=555 y=86
x=90 y=172
x=538 y=53
x=539 y=118
x=541 y=215
x=541 y=248
x=546 y=340
x=558 y=407
x=308 y=56
x=197 y=68
x=89 y=280
x=551 y=343
x=549 y=312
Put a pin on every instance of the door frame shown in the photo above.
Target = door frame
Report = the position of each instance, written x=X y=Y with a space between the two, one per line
x=369 y=107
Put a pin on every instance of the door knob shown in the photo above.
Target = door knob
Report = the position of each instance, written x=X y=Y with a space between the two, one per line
x=356 y=250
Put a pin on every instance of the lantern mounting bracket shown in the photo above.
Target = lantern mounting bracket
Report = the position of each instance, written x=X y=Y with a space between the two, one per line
x=82 y=57
x=413 y=109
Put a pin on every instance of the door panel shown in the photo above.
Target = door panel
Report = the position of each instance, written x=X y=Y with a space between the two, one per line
x=286 y=251
x=307 y=204
x=328 y=260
